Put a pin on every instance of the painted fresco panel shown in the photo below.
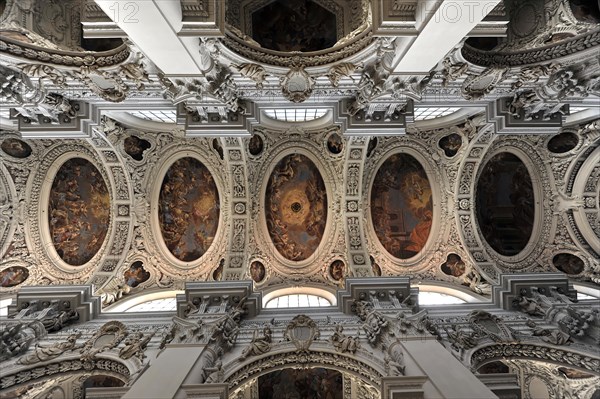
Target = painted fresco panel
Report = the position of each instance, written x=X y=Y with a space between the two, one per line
x=13 y=276
x=296 y=207
x=294 y=25
x=16 y=148
x=401 y=206
x=78 y=211
x=505 y=204
x=301 y=384
x=568 y=263
x=188 y=209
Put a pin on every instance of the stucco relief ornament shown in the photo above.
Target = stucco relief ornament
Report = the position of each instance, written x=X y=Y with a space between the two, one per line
x=259 y=345
x=45 y=353
x=343 y=343
x=374 y=322
x=135 y=346
x=302 y=331
x=255 y=72
x=297 y=85
x=338 y=71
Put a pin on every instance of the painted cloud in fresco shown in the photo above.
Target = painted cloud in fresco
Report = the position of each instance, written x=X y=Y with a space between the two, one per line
x=188 y=209
x=78 y=211
x=296 y=207
x=401 y=207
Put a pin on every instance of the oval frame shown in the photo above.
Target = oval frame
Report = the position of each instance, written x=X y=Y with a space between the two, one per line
x=154 y=222
x=263 y=215
x=42 y=214
x=413 y=263
x=534 y=238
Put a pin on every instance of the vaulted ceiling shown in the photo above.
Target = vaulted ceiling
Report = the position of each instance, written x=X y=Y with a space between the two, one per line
x=297 y=143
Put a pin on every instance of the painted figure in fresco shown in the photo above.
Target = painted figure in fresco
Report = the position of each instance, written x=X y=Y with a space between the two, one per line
x=257 y=271
x=294 y=25
x=16 y=148
x=135 y=147
x=13 y=276
x=335 y=144
x=454 y=266
x=188 y=209
x=136 y=274
x=401 y=206
x=255 y=145
x=450 y=144
x=79 y=211
x=336 y=270
x=568 y=263
x=296 y=207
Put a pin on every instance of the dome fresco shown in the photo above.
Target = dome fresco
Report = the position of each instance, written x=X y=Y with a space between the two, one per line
x=296 y=207
x=188 y=209
x=401 y=206
x=505 y=204
x=285 y=25
x=78 y=211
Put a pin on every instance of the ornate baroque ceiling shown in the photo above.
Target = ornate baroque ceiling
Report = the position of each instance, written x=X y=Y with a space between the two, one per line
x=211 y=188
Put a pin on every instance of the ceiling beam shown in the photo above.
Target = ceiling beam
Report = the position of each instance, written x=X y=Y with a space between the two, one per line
x=153 y=26
x=441 y=25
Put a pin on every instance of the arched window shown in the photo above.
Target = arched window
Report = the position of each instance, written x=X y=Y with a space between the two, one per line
x=4 y=306
x=161 y=301
x=436 y=293
x=295 y=114
x=300 y=297
x=155 y=305
x=297 y=301
x=437 y=298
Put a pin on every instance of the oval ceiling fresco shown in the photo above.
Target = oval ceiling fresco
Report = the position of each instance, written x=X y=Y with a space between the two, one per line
x=401 y=206
x=505 y=204
x=563 y=142
x=188 y=209
x=16 y=148
x=13 y=276
x=78 y=211
x=296 y=207
x=568 y=263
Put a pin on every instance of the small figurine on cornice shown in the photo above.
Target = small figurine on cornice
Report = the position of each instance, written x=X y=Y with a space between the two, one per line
x=343 y=343
x=135 y=346
x=259 y=344
x=255 y=72
x=44 y=353
x=473 y=280
x=555 y=337
x=528 y=305
x=215 y=374
x=59 y=320
x=394 y=361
